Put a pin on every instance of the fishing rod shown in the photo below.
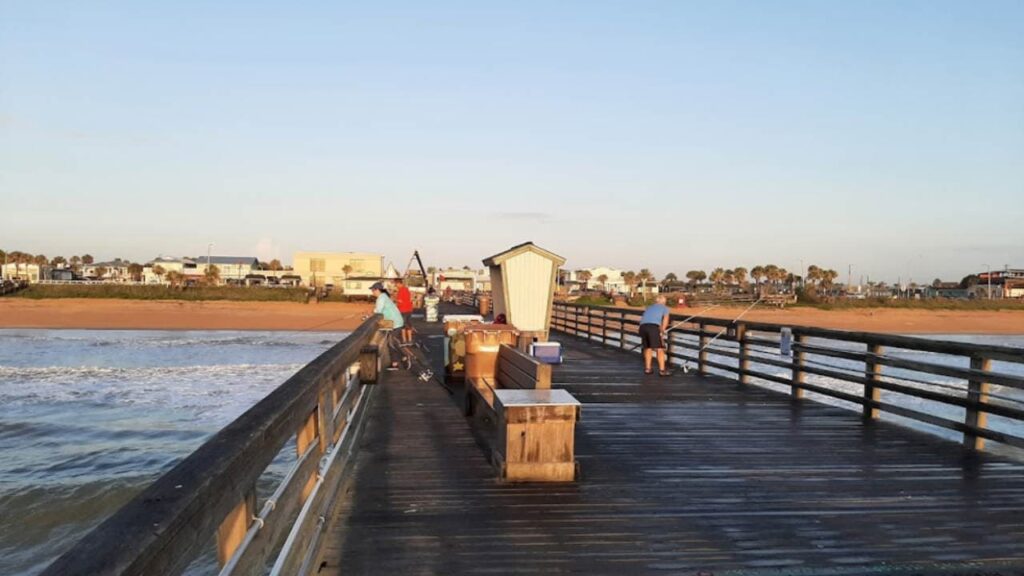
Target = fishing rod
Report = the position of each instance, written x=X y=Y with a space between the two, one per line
x=683 y=321
x=686 y=368
x=726 y=329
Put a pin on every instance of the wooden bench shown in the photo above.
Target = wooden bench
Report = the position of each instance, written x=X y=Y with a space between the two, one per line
x=511 y=369
x=529 y=428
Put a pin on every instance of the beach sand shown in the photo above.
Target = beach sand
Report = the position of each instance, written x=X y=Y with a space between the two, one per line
x=89 y=313
x=336 y=316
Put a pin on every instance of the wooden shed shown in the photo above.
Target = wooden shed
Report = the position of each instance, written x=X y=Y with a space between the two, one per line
x=523 y=285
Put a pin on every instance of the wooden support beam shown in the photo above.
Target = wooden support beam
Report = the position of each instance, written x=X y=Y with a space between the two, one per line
x=233 y=528
x=306 y=435
x=977 y=390
x=873 y=372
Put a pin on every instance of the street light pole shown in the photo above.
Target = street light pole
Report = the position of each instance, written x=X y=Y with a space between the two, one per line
x=989 y=274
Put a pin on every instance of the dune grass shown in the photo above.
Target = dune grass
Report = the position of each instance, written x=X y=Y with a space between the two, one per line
x=137 y=292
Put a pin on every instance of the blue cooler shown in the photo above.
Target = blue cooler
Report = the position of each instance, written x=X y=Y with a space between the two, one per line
x=549 y=352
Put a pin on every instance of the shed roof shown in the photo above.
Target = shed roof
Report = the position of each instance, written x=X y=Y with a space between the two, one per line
x=497 y=259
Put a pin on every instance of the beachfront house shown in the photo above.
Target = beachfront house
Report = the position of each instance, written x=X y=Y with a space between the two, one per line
x=323 y=268
x=30 y=272
x=233 y=269
x=165 y=264
x=113 y=271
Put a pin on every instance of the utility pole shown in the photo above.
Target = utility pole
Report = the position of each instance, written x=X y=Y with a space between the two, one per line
x=989 y=274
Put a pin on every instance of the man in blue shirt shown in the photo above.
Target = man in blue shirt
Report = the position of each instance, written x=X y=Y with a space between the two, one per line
x=653 y=327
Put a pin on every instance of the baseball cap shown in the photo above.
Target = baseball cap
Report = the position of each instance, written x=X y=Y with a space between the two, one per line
x=377 y=286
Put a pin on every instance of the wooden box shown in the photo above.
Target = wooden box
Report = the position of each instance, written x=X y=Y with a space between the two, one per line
x=536 y=436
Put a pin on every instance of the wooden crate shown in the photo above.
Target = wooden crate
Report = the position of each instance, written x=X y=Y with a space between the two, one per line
x=536 y=436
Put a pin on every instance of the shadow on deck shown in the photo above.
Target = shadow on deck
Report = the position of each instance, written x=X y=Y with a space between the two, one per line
x=680 y=475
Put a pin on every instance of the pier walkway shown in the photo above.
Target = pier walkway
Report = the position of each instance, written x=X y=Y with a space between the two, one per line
x=684 y=475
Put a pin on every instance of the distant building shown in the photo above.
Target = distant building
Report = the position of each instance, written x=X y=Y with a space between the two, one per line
x=947 y=290
x=323 y=268
x=184 y=266
x=458 y=279
x=30 y=272
x=233 y=269
x=1006 y=283
x=114 y=271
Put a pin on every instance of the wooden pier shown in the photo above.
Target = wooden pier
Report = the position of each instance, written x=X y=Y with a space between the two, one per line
x=688 y=474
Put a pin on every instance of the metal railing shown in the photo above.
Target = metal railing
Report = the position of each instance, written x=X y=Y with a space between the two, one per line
x=975 y=379
x=211 y=494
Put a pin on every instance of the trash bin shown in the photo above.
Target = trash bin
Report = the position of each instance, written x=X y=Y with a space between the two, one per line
x=482 y=344
x=430 y=307
x=485 y=305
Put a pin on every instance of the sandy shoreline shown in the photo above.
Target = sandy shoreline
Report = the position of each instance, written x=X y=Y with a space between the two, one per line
x=98 y=314
x=336 y=316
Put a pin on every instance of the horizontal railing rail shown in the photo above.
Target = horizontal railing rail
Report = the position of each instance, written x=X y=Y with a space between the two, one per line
x=210 y=496
x=956 y=375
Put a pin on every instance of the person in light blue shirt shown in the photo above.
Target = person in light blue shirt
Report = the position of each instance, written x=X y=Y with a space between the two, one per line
x=386 y=307
x=653 y=326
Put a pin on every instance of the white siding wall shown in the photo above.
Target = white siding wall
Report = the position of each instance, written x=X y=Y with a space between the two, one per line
x=498 y=292
x=529 y=284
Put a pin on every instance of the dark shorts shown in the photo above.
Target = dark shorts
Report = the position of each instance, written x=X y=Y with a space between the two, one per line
x=407 y=316
x=650 y=336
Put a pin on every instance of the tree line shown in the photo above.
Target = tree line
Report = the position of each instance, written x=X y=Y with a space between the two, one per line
x=769 y=275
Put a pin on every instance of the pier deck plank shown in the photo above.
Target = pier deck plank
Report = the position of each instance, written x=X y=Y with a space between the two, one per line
x=680 y=475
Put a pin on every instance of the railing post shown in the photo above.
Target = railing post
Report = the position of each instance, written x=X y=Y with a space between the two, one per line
x=702 y=353
x=604 y=327
x=977 y=391
x=304 y=437
x=873 y=372
x=232 y=529
x=744 y=360
x=622 y=330
x=798 y=366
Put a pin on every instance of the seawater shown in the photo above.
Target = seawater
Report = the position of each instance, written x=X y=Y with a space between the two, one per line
x=88 y=418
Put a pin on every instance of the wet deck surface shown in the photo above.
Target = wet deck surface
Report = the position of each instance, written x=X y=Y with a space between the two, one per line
x=681 y=475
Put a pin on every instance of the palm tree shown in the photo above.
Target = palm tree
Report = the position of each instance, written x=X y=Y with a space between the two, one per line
x=730 y=277
x=771 y=275
x=212 y=275
x=670 y=277
x=644 y=277
x=602 y=279
x=57 y=261
x=76 y=263
x=717 y=277
x=741 y=275
x=101 y=271
x=87 y=259
x=40 y=260
x=630 y=279
x=757 y=272
x=135 y=270
x=814 y=273
x=347 y=269
x=174 y=277
x=275 y=264
x=584 y=277
x=695 y=277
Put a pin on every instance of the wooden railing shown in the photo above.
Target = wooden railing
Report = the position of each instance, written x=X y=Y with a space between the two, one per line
x=743 y=349
x=210 y=496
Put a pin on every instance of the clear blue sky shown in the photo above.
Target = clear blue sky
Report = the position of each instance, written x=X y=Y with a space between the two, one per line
x=670 y=135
